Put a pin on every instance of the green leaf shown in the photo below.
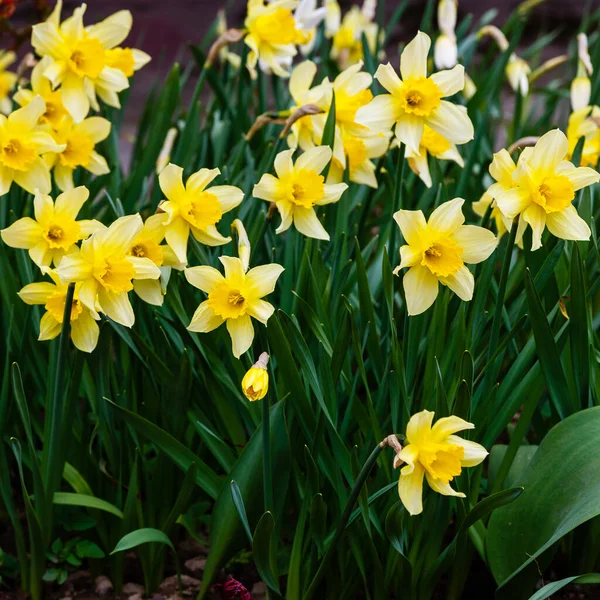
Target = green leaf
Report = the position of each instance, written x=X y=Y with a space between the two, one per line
x=555 y=586
x=562 y=486
x=318 y=520
x=206 y=478
x=138 y=537
x=265 y=552
x=547 y=352
x=578 y=328
x=70 y=499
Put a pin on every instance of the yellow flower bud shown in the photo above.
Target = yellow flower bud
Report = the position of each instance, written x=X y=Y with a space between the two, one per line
x=255 y=383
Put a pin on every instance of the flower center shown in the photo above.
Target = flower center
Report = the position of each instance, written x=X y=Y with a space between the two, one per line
x=278 y=27
x=55 y=111
x=17 y=155
x=117 y=274
x=356 y=151
x=56 y=306
x=228 y=301
x=442 y=257
x=78 y=151
x=201 y=210
x=555 y=193
x=304 y=188
x=63 y=236
x=433 y=142
x=87 y=58
x=420 y=96
x=442 y=461
x=145 y=248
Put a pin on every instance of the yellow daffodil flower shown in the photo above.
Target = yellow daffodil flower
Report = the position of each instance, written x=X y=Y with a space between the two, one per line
x=40 y=85
x=436 y=252
x=55 y=229
x=8 y=81
x=434 y=453
x=80 y=140
x=445 y=51
x=148 y=244
x=501 y=169
x=585 y=122
x=308 y=17
x=436 y=145
x=359 y=150
x=347 y=47
x=298 y=188
x=106 y=271
x=233 y=299
x=255 y=383
x=194 y=208
x=546 y=186
x=581 y=86
x=333 y=17
x=301 y=80
x=416 y=100
x=272 y=35
x=85 y=61
x=21 y=144
x=84 y=329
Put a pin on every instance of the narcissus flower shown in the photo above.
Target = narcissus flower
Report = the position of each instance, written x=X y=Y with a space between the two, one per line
x=581 y=86
x=21 y=144
x=53 y=296
x=272 y=35
x=194 y=208
x=434 y=453
x=255 y=383
x=85 y=61
x=80 y=141
x=545 y=190
x=436 y=145
x=40 y=85
x=416 y=100
x=585 y=123
x=233 y=299
x=436 y=252
x=55 y=229
x=298 y=188
x=8 y=80
x=308 y=17
x=347 y=47
x=106 y=271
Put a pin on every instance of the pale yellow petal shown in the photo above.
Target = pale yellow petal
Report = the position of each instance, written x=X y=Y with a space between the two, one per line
x=441 y=487
x=535 y=216
x=242 y=334
x=448 y=216
x=37 y=293
x=260 y=310
x=315 y=159
x=420 y=289
x=262 y=279
x=117 y=307
x=204 y=278
x=28 y=116
x=210 y=236
x=513 y=201
x=388 y=78
x=477 y=243
x=413 y=60
x=301 y=79
x=74 y=97
x=177 y=234
x=96 y=128
x=461 y=283
x=119 y=237
x=380 y=114
x=450 y=81
x=549 y=151
x=24 y=233
x=447 y=426
x=502 y=167
x=568 y=225
x=204 y=319
x=144 y=268
x=171 y=182
x=412 y=224
x=410 y=490
x=85 y=332
x=452 y=122
x=266 y=188
x=409 y=257
x=36 y=178
x=308 y=224
x=113 y=30
x=283 y=163
x=73 y=267
x=49 y=327
x=409 y=130
x=580 y=177
x=333 y=192
x=474 y=453
x=70 y=203
x=198 y=181
x=408 y=455
x=149 y=290
x=234 y=268
x=419 y=426
x=229 y=196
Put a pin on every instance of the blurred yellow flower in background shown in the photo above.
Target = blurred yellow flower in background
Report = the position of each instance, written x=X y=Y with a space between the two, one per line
x=106 y=270
x=85 y=62
x=436 y=252
x=434 y=453
x=233 y=299
x=298 y=188
x=194 y=208
x=8 y=80
x=21 y=144
x=585 y=122
x=545 y=189
x=416 y=100
x=55 y=229
x=53 y=296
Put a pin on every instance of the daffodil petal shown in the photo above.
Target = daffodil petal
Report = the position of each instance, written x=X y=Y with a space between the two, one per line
x=85 y=332
x=408 y=455
x=198 y=181
x=204 y=278
x=535 y=216
x=263 y=279
x=410 y=490
x=462 y=283
x=210 y=236
x=413 y=60
x=260 y=310
x=49 y=327
x=419 y=426
x=113 y=30
x=144 y=268
x=315 y=159
x=149 y=290
x=474 y=453
x=420 y=289
x=284 y=164
x=409 y=130
x=117 y=307
x=568 y=225
x=447 y=426
x=177 y=234
x=204 y=319
x=549 y=151
x=410 y=256
x=229 y=196
x=380 y=114
x=580 y=177
x=70 y=203
x=37 y=177
x=452 y=122
x=24 y=233
x=307 y=223
x=37 y=293
x=388 y=78
x=442 y=488
x=266 y=188
x=333 y=192
x=448 y=216
x=450 y=81
x=477 y=243
x=170 y=180
x=242 y=334
x=513 y=201
x=412 y=224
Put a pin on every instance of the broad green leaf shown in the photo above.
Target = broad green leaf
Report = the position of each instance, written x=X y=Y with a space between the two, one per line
x=138 y=537
x=555 y=586
x=562 y=486
x=264 y=551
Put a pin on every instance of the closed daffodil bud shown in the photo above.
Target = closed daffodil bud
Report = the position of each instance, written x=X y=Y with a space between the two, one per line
x=255 y=383
x=581 y=86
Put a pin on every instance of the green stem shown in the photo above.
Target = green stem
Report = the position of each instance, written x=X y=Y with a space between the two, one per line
x=397 y=197
x=360 y=480
x=53 y=467
x=495 y=333
x=266 y=438
x=199 y=86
